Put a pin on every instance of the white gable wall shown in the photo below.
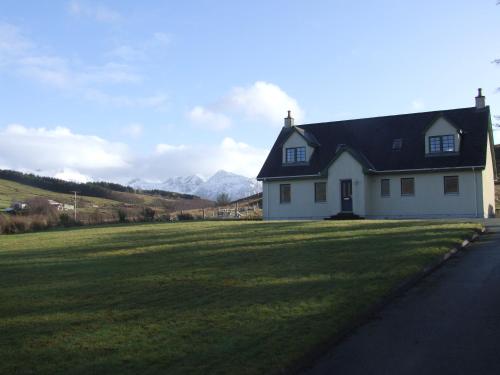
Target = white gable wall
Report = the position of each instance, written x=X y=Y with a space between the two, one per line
x=344 y=168
x=296 y=140
x=488 y=184
x=442 y=127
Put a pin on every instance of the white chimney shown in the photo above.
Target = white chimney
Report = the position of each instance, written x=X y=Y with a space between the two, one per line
x=480 y=100
x=289 y=120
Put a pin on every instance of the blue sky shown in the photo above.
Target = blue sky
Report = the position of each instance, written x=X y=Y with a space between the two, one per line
x=122 y=89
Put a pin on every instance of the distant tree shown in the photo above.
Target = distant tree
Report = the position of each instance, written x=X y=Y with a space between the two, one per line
x=149 y=214
x=222 y=199
x=122 y=215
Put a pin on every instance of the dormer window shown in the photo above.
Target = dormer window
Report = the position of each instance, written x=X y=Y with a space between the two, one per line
x=296 y=155
x=441 y=143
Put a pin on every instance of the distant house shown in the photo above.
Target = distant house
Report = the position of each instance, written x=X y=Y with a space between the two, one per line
x=57 y=205
x=419 y=165
x=19 y=206
x=68 y=207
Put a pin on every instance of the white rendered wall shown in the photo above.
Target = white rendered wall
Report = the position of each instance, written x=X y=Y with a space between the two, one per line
x=429 y=199
x=488 y=184
x=301 y=206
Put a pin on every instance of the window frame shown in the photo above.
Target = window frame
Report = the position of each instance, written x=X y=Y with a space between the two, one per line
x=441 y=142
x=292 y=152
x=316 y=199
x=388 y=193
x=292 y=155
x=282 y=193
x=412 y=194
x=457 y=192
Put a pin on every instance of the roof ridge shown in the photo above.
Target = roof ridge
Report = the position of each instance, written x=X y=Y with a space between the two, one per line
x=387 y=116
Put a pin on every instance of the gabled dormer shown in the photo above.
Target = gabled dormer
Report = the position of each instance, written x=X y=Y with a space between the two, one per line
x=299 y=145
x=442 y=138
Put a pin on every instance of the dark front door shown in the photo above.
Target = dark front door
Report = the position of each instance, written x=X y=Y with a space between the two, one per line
x=346 y=195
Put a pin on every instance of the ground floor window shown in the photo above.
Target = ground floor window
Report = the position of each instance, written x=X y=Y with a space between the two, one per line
x=408 y=186
x=451 y=184
x=320 y=192
x=285 y=193
x=385 y=187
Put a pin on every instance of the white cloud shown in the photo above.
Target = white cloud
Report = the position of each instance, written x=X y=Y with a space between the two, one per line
x=163 y=148
x=417 y=104
x=54 y=150
x=60 y=152
x=98 y=12
x=133 y=130
x=71 y=175
x=21 y=56
x=262 y=102
x=12 y=43
x=157 y=101
x=265 y=101
x=212 y=120
x=161 y=38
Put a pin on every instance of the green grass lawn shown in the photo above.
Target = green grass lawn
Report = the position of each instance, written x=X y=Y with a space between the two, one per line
x=201 y=297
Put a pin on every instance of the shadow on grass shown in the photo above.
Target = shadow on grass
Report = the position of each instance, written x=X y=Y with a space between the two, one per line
x=209 y=298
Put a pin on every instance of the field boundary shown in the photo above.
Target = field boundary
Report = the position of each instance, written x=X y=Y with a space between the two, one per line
x=313 y=356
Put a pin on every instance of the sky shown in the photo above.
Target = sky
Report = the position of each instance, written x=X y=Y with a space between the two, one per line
x=116 y=90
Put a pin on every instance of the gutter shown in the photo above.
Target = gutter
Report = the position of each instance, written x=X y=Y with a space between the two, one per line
x=289 y=177
x=425 y=169
x=473 y=167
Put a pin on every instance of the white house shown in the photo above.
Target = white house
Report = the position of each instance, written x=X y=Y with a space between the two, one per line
x=419 y=165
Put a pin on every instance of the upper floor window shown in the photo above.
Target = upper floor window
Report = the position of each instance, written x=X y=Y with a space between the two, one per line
x=296 y=155
x=441 y=143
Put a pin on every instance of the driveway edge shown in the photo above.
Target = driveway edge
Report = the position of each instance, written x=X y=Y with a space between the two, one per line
x=308 y=361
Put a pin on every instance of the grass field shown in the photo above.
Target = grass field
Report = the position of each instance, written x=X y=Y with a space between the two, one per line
x=200 y=297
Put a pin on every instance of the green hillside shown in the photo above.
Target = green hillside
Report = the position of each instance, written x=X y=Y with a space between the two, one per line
x=12 y=191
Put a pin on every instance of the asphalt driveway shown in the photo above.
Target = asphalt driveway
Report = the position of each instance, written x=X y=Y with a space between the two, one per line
x=448 y=324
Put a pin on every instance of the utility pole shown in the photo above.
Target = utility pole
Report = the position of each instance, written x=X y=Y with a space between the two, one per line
x=75 y=204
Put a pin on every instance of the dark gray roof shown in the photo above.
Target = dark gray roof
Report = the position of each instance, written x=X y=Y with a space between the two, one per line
x=370 y=141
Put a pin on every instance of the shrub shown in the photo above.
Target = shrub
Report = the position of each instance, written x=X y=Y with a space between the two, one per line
x=66 y=220
x=222 y=199
x=122 y=215
x=185 y=216
x=149 y=214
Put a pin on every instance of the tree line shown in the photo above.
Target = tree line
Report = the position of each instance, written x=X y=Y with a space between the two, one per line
x=99 y=189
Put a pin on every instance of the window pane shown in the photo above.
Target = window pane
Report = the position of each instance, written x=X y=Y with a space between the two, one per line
x=408 y=186
x=448 y=143
x=320 y=192
x=290 y=155
x=434 y=144
x=385 y=187
x=285 y=193
x=301 y=154
x=451 y=184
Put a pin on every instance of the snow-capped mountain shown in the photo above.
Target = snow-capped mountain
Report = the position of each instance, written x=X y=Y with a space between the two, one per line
x=236 y=186
x=186 y=185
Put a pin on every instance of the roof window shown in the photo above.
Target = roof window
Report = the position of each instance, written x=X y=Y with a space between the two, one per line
x=397 y=144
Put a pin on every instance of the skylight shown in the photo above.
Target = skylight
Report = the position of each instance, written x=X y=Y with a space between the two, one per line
x=397 y=144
